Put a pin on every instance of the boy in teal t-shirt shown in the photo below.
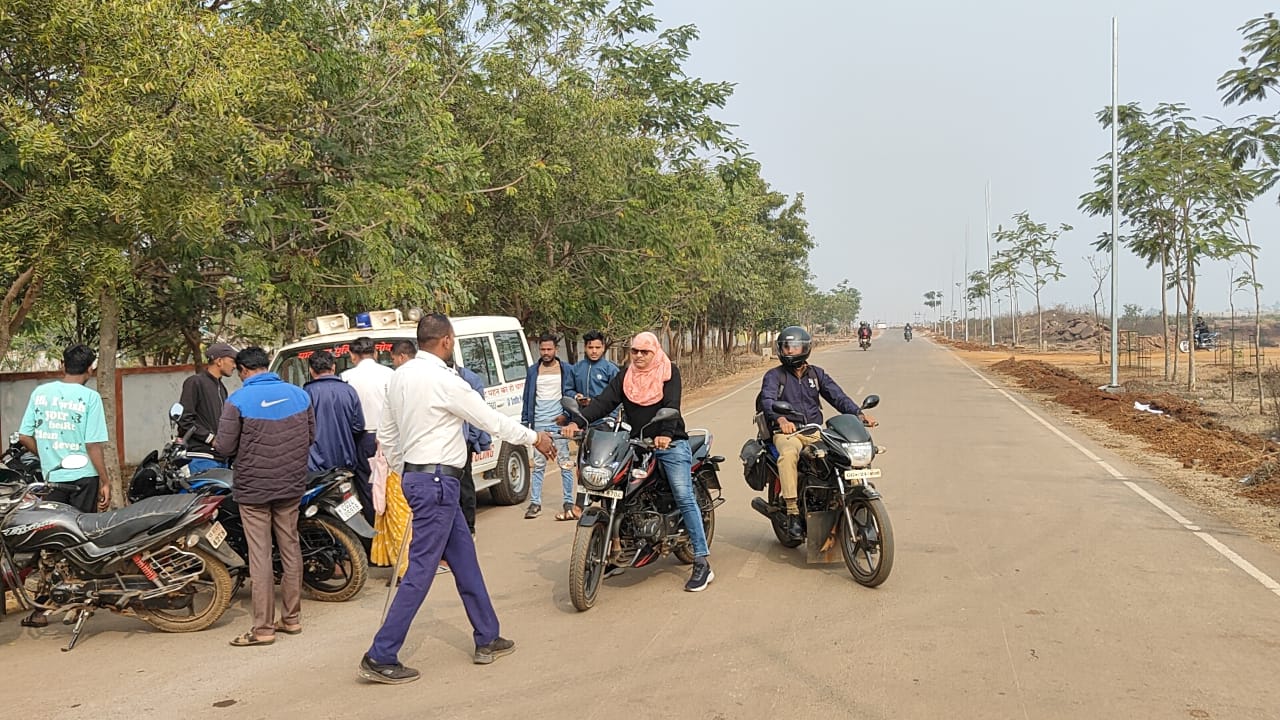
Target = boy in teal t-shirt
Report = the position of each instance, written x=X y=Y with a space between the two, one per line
x=64 y=418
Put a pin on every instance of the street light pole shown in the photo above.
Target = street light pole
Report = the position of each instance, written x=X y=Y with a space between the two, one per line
x=1115 y=200
x=991 y=308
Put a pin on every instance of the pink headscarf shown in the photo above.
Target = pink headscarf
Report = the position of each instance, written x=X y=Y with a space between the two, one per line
x=644 y=387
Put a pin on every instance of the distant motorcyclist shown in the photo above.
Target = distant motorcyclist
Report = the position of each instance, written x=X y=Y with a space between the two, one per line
x=803 y=386
x=906 y=332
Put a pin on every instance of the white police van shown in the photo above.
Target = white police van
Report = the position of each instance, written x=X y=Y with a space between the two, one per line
x=493 y=347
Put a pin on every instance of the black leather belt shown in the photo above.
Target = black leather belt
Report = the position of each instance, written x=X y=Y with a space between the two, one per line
x=435 y=469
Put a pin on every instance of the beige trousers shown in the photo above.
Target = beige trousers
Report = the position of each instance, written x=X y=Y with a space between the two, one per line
x=789 y=447
x=259 y=522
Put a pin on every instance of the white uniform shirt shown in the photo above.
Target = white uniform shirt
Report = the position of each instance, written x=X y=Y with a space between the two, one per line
x=426 y=406
x=370 y=378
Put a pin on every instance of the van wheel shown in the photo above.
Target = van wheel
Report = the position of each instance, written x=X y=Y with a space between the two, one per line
x=513 y=476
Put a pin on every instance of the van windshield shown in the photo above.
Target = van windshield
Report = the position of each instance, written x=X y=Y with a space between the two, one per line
x=291 y=365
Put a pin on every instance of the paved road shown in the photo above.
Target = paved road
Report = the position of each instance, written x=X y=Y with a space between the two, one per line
x=1029 y=582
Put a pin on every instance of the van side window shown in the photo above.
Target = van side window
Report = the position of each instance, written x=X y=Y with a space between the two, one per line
x=477 y=356
x=511 y=350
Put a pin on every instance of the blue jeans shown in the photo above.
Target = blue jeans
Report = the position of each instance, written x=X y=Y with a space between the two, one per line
x=540 y=465
x=199 y=465
x=677 y=463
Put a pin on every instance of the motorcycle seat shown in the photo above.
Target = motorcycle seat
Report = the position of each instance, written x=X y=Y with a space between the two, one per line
x=697 y=443
x=117 y=526
x=217 y=476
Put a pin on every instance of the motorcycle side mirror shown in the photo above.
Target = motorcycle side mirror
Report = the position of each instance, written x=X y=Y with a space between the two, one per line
x=783 y=408
x=175 y=412
x=665 y=414
x=74 y=461
x=571 y=404
x=870 y=401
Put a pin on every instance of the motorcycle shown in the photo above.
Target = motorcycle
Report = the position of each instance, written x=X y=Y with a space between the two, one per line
x=155 y=560
x=906 y=334
x=630 y=517
x=334 y=564
x=21 y=460
x=864 y=342
x=838 y=502
x=1204 y=340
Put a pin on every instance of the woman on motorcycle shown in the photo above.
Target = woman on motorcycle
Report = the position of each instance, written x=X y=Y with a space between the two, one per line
x=648 y=384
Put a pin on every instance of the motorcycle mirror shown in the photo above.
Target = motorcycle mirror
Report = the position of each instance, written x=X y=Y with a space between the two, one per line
x=571 y=405
x=74 y=461
x=783 y=408
x=869 y=402
x=665 y=414
x=175 y=412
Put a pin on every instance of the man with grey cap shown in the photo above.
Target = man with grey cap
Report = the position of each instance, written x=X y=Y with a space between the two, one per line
x=202 y=397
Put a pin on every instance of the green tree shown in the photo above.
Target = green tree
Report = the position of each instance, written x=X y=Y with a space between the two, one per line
x=1033 y=260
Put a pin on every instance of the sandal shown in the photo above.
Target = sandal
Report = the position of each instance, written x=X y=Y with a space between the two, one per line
x=571 y=512
x=288 y=629
x=532 y=512
x=37 y=619
x=249 y=639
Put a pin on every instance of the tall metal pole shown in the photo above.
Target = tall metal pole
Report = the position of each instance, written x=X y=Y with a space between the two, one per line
x=991 y=307
x=964 y=295
x=1115 y=201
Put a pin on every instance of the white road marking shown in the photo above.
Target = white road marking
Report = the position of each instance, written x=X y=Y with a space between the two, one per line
x=1249 y=568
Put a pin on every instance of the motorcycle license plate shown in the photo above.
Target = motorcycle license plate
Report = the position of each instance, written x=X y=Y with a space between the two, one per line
x=615 y=494
x=216 y=534
x=861 y=474
x=348 y=508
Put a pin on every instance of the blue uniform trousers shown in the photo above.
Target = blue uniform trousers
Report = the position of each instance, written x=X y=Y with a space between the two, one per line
x=439 y=531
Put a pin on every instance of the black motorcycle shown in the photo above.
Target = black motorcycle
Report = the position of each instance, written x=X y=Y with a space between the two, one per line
x=864 y=343
x=21 y=460
x=631 y=517
x=164 y=560
x=906 y=334
x=334 y=564
x=838 y=502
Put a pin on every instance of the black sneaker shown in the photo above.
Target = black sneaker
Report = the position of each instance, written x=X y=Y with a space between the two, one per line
x=532 y=511
x=386 y=673
x=701 y=577
x=794 y=528
x=486 y=654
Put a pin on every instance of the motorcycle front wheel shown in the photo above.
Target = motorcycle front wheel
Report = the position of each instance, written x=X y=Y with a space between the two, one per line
x=195 y=607
x=868 y=548
x=586 y=569
x=334 y=566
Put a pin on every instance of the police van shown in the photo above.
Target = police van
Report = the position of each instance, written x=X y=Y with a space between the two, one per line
x=493 y=347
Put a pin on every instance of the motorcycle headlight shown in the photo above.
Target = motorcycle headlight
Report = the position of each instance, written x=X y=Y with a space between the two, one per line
x=860 y=453
x=595 y=478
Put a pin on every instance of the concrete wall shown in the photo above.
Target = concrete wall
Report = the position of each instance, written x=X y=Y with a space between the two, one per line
x=145 y=397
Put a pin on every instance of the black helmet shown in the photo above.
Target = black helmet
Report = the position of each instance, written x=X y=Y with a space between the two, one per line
x=792 y=337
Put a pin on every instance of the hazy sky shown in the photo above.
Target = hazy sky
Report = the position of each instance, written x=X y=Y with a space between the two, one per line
x=891 y=116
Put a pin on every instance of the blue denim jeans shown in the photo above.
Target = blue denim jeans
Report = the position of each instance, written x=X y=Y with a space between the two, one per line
x=677 y=462
x=540 y=465
x=199 y=465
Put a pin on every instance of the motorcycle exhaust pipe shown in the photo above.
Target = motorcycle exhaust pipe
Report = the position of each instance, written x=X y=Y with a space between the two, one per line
x=762 y=507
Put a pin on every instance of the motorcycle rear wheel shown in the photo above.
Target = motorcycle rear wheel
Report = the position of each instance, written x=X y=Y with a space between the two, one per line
x=868 y=562
x=684 y=553
x=334 y=566
x=215 y=578
x=586 y=569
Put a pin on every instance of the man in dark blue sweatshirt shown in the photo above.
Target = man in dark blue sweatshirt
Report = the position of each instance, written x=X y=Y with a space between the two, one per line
x=804 y=387
x=339 y=423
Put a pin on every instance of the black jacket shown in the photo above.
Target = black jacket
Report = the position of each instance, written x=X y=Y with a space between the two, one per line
x=639 y=415
x=202 y=399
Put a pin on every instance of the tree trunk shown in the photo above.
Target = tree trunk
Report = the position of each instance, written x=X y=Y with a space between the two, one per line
x=1257 y=323
x=1164 y=307
x=14 y=311
x=1039 y=322
x=108 y=345
x=1191 y=314
x=1231 y=301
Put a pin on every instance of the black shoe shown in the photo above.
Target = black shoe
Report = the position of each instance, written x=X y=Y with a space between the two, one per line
x=701 y=577
x=486 y=654
x=794 y=528
x=386 y=673
x=611 y=570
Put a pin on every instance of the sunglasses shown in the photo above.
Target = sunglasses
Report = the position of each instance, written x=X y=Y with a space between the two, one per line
x=638 y=351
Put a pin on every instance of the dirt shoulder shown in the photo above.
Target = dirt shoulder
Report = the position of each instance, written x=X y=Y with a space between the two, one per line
x=1185 y=444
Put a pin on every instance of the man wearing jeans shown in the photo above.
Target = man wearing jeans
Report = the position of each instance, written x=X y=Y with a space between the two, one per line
x=548 y=380
x=268 y=426
x=421 y=435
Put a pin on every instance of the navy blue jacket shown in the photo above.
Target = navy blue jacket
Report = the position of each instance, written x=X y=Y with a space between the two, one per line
x=531 y=389
x=804 y=393
x=339 y=422
x=477 y=440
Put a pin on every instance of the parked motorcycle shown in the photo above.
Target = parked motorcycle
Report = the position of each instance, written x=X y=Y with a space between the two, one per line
x=21 y=460
x=631 y=517
x=164 y=560
x=838 y=502
x=334 y=564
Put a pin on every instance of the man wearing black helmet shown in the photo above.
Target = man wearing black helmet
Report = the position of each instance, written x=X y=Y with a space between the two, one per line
x=803 y=386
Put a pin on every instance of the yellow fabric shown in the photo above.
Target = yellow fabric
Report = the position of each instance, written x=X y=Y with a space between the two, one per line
x=393 y=528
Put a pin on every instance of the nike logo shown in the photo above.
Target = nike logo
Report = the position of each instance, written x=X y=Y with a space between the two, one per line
x=266 y=404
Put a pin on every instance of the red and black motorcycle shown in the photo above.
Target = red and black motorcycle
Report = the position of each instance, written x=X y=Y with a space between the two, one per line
x=163 y=560
x=631 y=517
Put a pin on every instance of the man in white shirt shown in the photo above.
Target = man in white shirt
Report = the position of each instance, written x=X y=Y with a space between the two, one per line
x=421 y=436
x=369 y=378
